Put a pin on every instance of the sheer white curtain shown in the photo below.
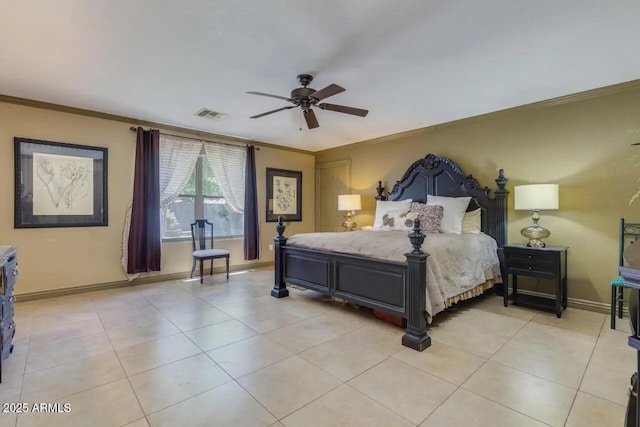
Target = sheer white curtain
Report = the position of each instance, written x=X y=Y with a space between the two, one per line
x=228 y=165
x=178 y=157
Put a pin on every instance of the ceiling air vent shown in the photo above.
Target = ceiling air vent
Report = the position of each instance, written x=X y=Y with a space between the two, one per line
x=210 y=114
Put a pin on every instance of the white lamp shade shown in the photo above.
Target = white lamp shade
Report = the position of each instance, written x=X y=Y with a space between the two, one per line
x=536 y=197
x=349 y=202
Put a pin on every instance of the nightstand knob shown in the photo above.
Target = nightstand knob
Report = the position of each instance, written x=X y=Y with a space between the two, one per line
x=529 y=256
x=529 y=268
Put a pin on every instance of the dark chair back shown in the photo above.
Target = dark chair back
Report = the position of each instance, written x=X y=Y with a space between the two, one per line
x=628 y=256
x=201 y=235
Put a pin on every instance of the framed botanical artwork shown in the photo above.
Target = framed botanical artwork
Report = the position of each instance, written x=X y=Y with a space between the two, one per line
x=59 y=184
x=284 y=195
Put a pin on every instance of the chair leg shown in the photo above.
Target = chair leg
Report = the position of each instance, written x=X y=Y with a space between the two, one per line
x=201 y=268
x=227 y=261
x=614 y=292
x=620 y=300
x=193 y=267
x=211 y=270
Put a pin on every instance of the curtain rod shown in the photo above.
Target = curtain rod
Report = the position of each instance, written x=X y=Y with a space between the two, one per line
x=134 y=129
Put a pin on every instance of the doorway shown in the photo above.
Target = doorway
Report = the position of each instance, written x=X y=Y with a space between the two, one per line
x=332 y=179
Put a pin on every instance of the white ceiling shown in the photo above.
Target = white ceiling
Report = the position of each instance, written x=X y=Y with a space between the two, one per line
x=412 y=63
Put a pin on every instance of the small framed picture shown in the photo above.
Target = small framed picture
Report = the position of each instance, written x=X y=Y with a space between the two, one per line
x=59 y=184
x=284 y=195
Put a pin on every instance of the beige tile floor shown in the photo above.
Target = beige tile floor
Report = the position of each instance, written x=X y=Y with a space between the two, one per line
x=179 y=353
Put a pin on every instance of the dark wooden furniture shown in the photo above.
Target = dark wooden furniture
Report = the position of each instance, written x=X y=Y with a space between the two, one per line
x=631 y=277
x=397 y=288
x=628 y=255
x=8 y=277
x=202 y=244
x=547 y=263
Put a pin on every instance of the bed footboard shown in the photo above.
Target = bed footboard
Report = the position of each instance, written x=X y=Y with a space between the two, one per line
x=394 y=287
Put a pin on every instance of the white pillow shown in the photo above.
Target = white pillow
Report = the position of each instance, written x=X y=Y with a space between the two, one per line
x=398 y=220
x=383 y=206
x=472 y=222
x=454 y=209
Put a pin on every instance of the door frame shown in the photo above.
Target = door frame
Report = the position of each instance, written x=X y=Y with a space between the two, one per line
x=329 y=165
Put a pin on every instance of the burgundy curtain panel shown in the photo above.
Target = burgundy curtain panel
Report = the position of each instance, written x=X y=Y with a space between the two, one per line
x=144 y=235
x=251 y=232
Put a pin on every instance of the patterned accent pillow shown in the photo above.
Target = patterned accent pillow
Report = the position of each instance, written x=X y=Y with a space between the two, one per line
x=398 y=220
x=430 y=216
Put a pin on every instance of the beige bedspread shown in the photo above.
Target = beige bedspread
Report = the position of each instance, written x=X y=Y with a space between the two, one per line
x=457 y=263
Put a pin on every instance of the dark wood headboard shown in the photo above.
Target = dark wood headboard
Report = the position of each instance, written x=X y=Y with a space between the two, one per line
x=441 y=176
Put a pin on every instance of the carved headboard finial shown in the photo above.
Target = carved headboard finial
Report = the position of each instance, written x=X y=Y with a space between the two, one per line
x=416 y=238
x=280 y=227
x=379 y=190
x=501 y=180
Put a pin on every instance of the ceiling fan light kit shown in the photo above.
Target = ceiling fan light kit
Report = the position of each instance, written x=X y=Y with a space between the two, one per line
x=306 y=98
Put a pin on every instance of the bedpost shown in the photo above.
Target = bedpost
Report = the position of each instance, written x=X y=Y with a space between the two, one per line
x=501 y=224
x=279 y=242
x=379 y=190
x=416 y=336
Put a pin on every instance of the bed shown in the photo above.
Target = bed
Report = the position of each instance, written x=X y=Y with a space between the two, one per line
x=397 y=287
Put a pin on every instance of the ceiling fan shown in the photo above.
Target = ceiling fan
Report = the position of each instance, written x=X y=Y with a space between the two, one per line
x=306 y=97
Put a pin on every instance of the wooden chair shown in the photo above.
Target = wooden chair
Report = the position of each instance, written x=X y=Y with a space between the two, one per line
x=202 y=245
x=628 y=256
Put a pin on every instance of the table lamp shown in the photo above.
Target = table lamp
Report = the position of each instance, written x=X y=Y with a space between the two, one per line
x=349 y=203
x=536 y=197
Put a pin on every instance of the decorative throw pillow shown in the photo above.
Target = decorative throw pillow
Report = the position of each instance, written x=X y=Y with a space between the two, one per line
x=454 y=210
x=472 y=222
x=398 y=220
x=382 y=207
x=430 y=216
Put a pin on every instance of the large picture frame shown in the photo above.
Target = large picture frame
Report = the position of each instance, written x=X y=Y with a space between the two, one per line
x=59 y=184
x=284 y=195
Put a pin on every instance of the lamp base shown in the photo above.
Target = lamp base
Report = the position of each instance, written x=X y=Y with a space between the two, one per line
x=535 y=234
x=349 y=224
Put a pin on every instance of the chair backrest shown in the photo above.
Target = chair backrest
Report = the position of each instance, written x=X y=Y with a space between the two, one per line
x=201 y=235
x=629 y=244
x=629 y=247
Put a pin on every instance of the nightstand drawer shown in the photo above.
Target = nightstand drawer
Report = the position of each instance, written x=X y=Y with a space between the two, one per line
x=538 y=268
x=527 y=255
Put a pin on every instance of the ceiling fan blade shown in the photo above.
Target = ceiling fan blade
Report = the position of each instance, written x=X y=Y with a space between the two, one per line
x=270 y=96
x=310 y=118
x=344 y=109
x=271 y=112
x=328 y=91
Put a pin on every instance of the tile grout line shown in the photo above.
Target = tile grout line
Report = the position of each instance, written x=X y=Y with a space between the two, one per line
x=461 y=386
x=575 y=396
x=121 y=365
x=147 y=297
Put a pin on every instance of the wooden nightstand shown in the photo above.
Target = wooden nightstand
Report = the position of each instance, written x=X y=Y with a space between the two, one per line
x=546 y=263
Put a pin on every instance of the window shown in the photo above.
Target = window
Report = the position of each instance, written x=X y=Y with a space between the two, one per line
x=201 y=198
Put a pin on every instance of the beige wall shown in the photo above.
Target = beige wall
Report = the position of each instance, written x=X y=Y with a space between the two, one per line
x=57 y=258
x=583 y=145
